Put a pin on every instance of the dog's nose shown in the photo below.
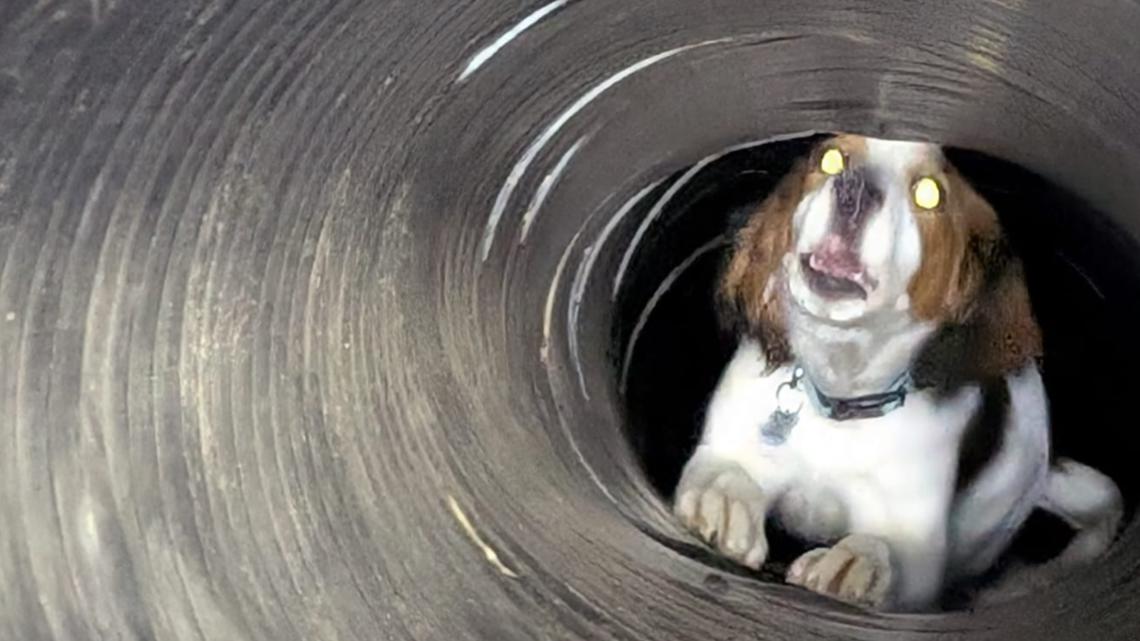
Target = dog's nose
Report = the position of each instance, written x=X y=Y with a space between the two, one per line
x=856 y=195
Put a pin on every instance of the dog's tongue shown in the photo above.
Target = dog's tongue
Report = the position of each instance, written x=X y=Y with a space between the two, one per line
x=835 y=257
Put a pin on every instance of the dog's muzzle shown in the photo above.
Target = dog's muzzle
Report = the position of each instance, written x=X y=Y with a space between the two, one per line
x=856 y=196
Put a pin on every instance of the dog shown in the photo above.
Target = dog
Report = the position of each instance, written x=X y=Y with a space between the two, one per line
x=885 y=399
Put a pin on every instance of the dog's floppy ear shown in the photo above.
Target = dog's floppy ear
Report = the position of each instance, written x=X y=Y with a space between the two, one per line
x=751 y=299
x=1002 y=330
x=972 y=282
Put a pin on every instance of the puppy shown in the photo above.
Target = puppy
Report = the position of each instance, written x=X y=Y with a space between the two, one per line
x=885 y=400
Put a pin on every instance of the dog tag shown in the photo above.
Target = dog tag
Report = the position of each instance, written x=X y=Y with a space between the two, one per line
x=775 y=430
x=789 y=402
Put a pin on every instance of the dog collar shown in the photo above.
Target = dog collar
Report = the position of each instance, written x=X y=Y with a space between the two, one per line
x=869 y=406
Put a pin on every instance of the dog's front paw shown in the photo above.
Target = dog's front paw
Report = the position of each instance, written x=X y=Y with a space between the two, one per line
x=721 y=503
x=856 y=570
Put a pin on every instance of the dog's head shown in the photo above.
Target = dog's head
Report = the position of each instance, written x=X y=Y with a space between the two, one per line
x=865 y=229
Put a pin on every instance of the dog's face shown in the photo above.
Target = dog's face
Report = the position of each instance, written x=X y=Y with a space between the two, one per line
x=856 y=233
x=864 y=228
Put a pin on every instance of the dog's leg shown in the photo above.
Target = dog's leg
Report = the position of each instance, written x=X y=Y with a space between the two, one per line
x=893 y=560
x=718 y=500
x=1088 y=501
x=1091 y=504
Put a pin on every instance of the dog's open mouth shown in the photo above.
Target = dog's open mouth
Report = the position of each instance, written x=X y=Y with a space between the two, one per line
x=832 y=280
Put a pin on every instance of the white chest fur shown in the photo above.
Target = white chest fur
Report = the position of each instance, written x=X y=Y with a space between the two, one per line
x=892 y=476
x=862 y=474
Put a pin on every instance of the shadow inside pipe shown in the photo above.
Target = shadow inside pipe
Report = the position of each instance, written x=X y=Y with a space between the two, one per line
x=1083 y=275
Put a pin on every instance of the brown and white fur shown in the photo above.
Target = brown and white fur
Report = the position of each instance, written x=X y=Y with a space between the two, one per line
x=847 y=278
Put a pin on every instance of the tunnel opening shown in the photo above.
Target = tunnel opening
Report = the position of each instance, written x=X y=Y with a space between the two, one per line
x=1083 y=275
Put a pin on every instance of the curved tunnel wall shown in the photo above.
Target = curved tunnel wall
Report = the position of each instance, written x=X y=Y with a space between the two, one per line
x=306 y=307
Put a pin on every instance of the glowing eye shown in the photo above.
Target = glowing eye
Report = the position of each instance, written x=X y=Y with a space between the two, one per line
x=832 y=162
x=927 y=193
